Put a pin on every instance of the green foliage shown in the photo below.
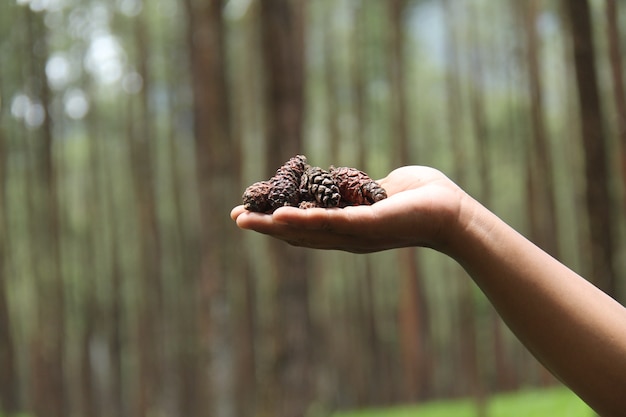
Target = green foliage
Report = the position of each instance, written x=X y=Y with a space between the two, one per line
x=555 y=402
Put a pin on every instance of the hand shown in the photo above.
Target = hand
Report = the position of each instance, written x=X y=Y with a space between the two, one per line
x=422 y=208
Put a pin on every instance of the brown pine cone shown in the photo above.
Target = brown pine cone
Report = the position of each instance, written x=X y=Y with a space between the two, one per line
x=255 y=197
x=295 y=167
x=356 y=187
x=308 y=204
x=318 y=185
x=284 y=191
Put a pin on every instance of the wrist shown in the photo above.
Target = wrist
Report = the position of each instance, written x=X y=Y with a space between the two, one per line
x=463 y=229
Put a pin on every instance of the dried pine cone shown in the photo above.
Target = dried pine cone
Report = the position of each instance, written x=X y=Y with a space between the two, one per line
x=308 y=204
x=255 y=197
x=285 y=190
x=356 y=187
x=295 y=167
x=318 y=185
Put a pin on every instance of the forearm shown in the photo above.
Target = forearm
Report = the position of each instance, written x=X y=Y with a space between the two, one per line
x=573 y=328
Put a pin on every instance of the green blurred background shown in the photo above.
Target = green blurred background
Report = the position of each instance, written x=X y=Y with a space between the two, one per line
x=129 y=129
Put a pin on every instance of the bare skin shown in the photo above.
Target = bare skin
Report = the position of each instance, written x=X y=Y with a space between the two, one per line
x=577 y=331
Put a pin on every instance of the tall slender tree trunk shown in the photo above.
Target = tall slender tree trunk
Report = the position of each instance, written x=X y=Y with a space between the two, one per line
x=48 y=349
x=190 y=392
x=543 y=218
x=91 y=241
x=116 y=310
x=396 y=63
x=244 y=93
x=466 y=317
x=454 y=98
x=282 y=26
x=574 y=154
x=8 y=372
x=368 y=391
x=481 y=137
x=541 y=205
x=597 y=193
x=141 y=137
x=331 y=83
x=619 y=90
x=245 y=342
x=217 y=170
x=413 y=312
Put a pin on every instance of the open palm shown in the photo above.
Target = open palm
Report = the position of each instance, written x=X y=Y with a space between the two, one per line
x=422 y=203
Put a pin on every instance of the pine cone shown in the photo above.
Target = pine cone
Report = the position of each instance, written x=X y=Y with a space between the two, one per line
x=318 y=185
x=285 y=191
x=356 y=187
x=255 y=197
x=294 y=167
x=308 y=204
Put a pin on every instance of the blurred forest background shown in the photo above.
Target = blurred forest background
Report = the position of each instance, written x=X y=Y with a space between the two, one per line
x=129 y=130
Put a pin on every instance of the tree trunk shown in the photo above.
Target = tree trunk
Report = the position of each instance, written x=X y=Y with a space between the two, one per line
x=368 y=391
x=332 y=86
x=540 y=203
x=619 y=91
x=454 y=99
x=48 y=366
x=282 y=26
x=217 y=168
x=244 y=93
x=465 y=315
x=413 y=312
x=481 y=137
x=543 y=218
x=141 y=137
x=8 y=373
x=396 y=63
x=597 y=194
x=118 y=406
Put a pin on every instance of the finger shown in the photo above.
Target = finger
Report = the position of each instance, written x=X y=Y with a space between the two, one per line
x=296 y=236
x=235 y=212
x=314 y=238
x=309 y=219
x=284 y=219
x=312 y=228
x=345 y=220
x=322 y=239
x=259 y=222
